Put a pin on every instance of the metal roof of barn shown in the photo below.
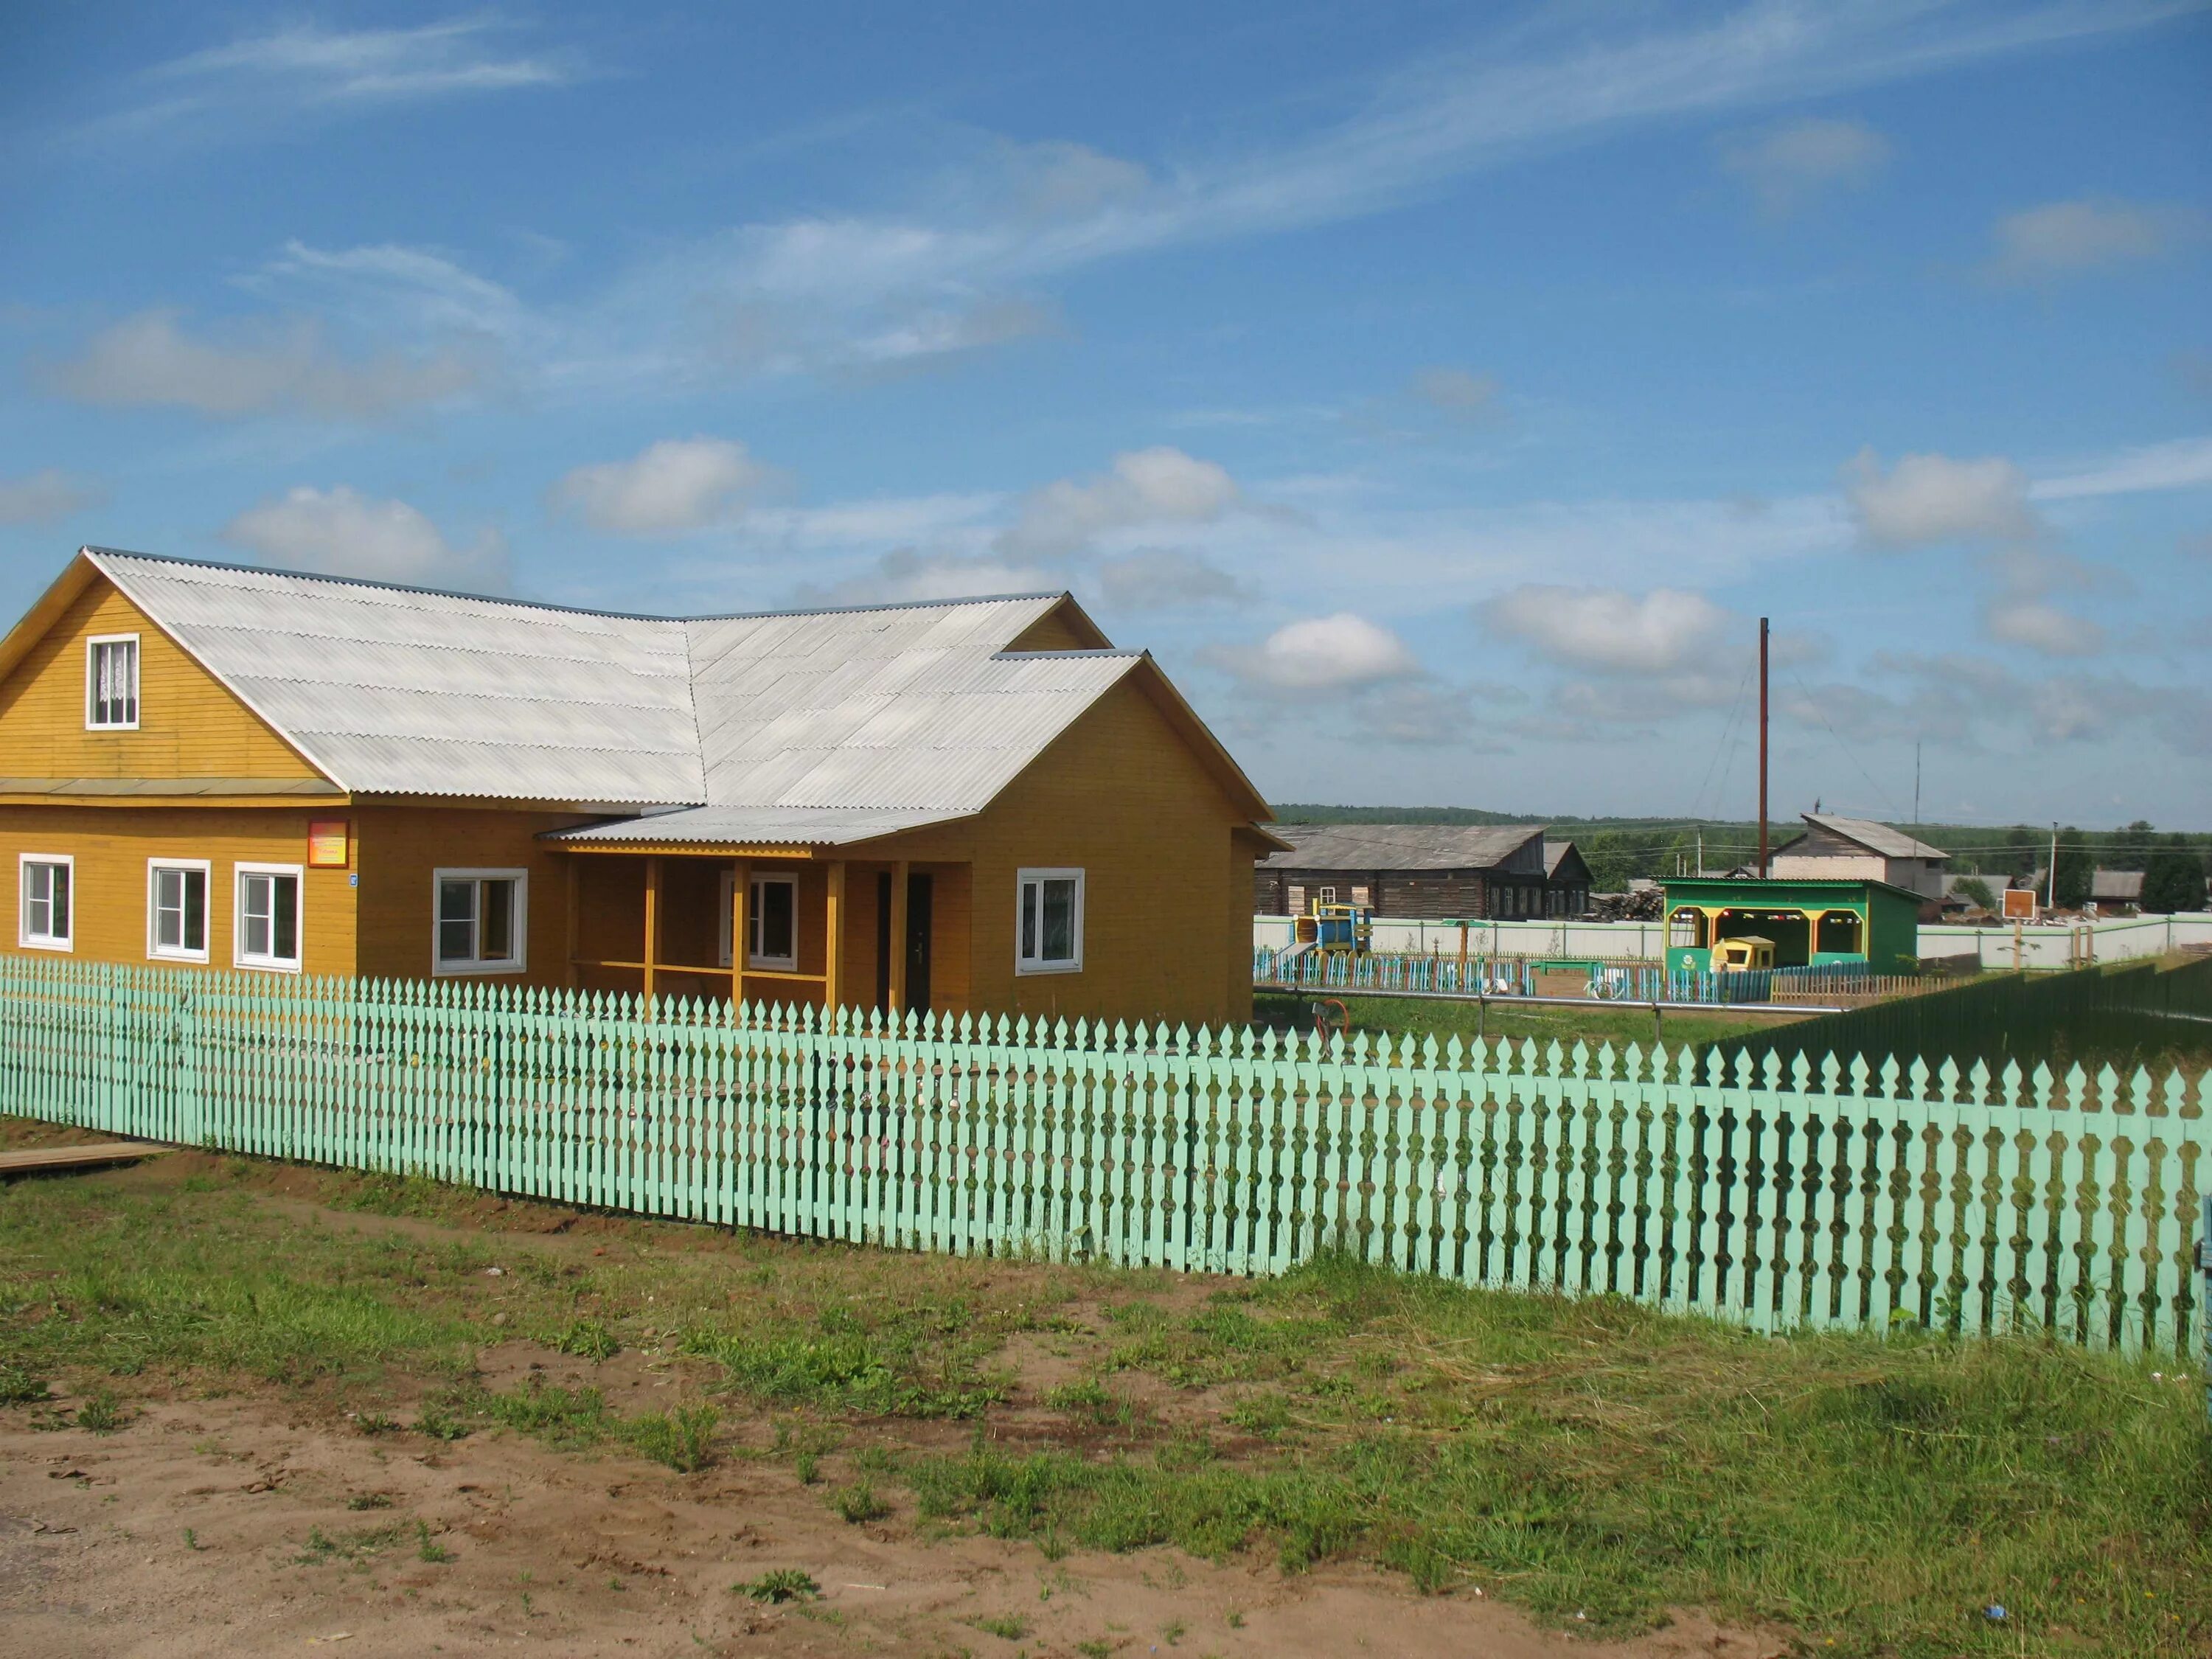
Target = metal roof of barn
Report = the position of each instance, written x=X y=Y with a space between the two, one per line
x=1399 y=845
x=1874 y=836
x=785 y=727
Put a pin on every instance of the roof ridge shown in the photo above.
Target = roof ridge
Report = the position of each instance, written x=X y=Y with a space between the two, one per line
x=564 y=610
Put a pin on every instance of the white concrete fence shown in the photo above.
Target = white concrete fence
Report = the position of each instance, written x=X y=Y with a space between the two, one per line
x=2042 y=945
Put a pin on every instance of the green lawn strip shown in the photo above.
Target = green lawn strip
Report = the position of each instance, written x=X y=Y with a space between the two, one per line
x=1499 y=1018
x=1586 y=1458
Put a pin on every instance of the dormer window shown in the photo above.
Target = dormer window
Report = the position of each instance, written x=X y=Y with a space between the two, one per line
x=111 y=683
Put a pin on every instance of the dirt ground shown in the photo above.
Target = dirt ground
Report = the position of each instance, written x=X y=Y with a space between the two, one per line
x=226 y=1527
x=253 y=1522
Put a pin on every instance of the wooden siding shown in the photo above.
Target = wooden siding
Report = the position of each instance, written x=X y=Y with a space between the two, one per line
x=1418 y=895
x=110 y=848
x=397 y=850
x=190 y=725
x=1123 y=796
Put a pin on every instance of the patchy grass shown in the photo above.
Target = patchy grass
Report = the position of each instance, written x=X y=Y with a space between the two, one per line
x=1582 y=1458
x=780 y=1584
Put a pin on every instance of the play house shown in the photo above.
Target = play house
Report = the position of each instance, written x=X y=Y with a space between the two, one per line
x=1806 y=923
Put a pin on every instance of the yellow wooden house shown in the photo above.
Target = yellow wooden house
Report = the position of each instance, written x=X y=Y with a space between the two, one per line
x=976 y=804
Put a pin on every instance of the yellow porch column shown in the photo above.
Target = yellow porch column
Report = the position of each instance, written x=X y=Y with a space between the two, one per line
x=652 y=918
x=741 y=893
x=833 y=944
x=897 y=946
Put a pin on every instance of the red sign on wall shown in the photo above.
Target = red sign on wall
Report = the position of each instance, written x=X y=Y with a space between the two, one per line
x=327 y=847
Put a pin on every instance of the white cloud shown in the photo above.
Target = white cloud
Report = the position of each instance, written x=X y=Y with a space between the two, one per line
x=1973 y=702
x=2041 y=626
x=2064 y=239
x=674 y=485
x=1144 y=488
x=1608 y=631
x=339 y=532
x=45 y=495
x=1785 y=166
x=1340 y=653
x=148 y=360
x=1159 y=578
x=1457 y=393
x=904 y=576
x=1933 y=498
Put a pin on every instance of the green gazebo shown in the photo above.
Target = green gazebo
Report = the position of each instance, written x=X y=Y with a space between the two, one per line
x=1811 y=922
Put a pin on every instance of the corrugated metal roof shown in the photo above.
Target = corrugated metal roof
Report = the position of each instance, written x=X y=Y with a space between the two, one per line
x=825 y=717
x=1400 y=845
x=1874 y=837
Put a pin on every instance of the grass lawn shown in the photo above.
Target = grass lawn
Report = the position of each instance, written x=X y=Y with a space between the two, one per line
x=1499 y=1018
x=1591 y=1461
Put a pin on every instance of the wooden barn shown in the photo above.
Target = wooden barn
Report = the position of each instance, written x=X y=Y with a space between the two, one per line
x=976 y=804
x=1435 y=872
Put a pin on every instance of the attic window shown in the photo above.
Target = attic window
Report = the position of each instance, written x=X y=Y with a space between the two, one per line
x=111 y=683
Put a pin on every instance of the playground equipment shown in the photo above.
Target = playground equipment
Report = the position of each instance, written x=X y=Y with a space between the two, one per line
x=1745 y=953
x=1337 y=928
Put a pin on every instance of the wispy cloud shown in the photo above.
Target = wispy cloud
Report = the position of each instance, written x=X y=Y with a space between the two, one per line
x=968 y=263
x=306 y=67
x=1788 y=166
x=152 y=359
x=42 y=496
x=2060 y=240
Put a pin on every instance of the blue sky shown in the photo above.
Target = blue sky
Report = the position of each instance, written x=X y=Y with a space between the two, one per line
x=1441 y=393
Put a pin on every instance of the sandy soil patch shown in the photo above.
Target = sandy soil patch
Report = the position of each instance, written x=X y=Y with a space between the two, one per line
x=233 y=1526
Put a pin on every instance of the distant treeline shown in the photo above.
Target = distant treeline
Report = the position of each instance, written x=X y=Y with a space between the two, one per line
x=1619 y=847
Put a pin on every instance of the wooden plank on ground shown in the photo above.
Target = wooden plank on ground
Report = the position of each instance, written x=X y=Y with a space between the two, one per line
x=36 y=1160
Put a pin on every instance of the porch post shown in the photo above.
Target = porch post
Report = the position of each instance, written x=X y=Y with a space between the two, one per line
x=898 y=980
x=652 y=918
x=573 y=923
x=741 y=884
x=833 y=955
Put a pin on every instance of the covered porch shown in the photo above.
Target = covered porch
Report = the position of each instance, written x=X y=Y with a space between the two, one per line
x=768 y=925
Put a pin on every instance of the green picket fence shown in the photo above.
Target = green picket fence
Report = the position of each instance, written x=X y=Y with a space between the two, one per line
x=1833 y=1195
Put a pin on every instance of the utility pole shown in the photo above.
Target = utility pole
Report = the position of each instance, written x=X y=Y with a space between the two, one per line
x=1701 y=859
x=2050 y=876
x=1762 y=748
x=1916 y=783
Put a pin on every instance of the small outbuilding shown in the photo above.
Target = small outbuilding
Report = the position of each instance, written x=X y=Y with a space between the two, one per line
x=1434 y=872
x=1810 y=923
x=1832 y=846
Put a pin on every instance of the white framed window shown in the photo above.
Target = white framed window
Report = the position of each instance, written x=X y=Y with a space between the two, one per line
x=111 y=682
x=1326 y=895
x=47 y=885
x=177 y=909
x=771 y=921
x=267 y=934
x=479 y=922
x=1048 y=922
